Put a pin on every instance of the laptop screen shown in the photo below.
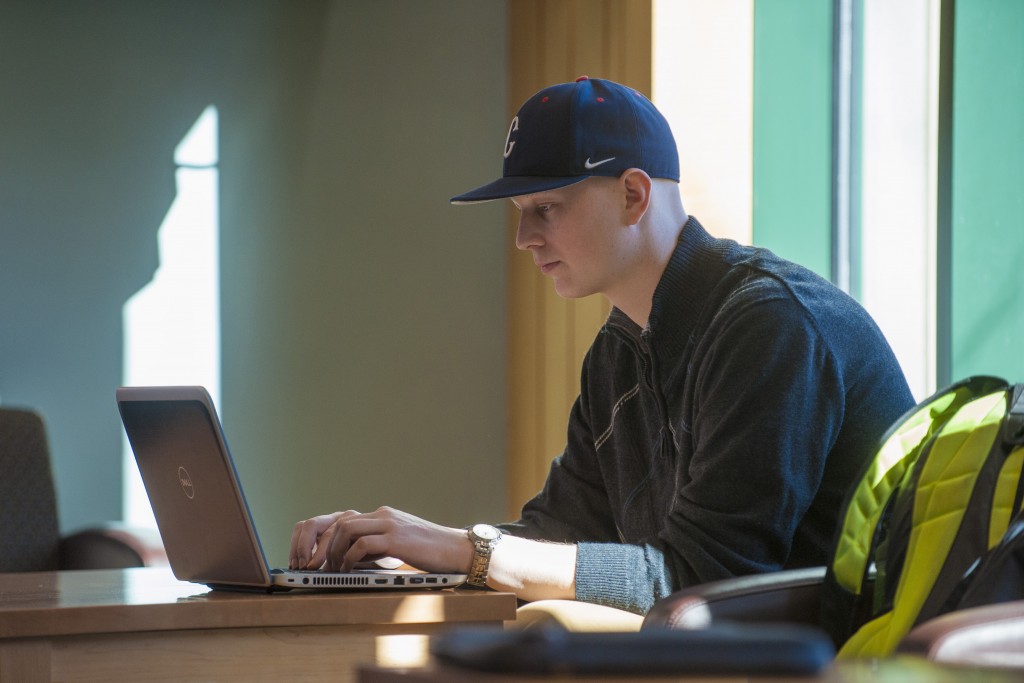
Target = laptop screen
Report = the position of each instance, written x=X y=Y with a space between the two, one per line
x=192 y=485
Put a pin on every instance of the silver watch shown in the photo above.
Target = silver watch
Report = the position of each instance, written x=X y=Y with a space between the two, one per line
x=484 y=538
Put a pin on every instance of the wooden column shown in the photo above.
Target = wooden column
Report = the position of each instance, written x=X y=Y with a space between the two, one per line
x=556 y=41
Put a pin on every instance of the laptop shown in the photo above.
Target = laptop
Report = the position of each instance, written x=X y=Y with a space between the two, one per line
x=200 y=509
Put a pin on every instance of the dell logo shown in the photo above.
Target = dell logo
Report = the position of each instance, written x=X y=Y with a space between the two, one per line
x=186 y=483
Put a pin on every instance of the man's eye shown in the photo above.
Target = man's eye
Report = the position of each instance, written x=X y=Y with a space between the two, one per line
x=543 y=208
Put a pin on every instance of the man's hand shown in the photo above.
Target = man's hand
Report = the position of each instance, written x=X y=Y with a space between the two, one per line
x=533 y=570
x=338 y=541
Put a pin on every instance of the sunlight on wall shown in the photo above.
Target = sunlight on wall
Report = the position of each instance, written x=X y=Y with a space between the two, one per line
x=172 y=325
x=702 y=75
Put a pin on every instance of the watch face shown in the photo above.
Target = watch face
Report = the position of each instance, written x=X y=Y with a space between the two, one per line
x=485 y=532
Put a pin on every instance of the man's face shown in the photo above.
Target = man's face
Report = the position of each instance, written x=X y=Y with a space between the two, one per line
x=576 y=235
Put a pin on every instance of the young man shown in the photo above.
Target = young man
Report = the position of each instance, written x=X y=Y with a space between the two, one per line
x=726 y=406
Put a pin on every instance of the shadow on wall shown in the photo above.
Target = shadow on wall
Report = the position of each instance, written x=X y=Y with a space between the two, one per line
x=96 y=98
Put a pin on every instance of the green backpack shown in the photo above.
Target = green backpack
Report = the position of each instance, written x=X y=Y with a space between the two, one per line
x=938 y=496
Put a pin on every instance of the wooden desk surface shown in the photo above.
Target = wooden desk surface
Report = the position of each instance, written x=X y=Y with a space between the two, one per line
x=151 y=599
x=144 y=625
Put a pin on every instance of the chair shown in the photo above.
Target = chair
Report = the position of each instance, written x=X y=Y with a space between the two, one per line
x=791 y=595
x=989 y=636
x=983 y=636
x=30 y=539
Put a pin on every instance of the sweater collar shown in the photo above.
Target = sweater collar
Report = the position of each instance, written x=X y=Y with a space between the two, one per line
x=694 y=270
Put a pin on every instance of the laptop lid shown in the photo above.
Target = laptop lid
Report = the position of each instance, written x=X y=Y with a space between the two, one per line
x=192 y=485
x=199 y=505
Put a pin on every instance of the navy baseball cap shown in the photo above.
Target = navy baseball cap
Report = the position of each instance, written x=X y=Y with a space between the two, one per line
x=569 y=132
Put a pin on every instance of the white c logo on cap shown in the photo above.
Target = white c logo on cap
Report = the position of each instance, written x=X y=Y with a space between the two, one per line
x=514 y=126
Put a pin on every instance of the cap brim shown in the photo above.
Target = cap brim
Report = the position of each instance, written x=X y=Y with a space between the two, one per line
x=515 y=186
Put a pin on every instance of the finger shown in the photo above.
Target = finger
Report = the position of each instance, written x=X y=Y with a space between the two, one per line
x=299 y=549
x=364 y=547
x=323 y=544
x=346 y=532
x=305 y=536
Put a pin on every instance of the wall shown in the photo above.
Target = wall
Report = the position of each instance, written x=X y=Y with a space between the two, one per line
x=985 y=244
x=363 y=328
x=792 y=136
x=703 y=53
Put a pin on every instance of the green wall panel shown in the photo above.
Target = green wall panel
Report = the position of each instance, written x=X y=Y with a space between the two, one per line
x=987 y=247
x=793 y=130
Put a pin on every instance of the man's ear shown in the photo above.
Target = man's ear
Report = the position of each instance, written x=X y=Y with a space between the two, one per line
x=637 y=185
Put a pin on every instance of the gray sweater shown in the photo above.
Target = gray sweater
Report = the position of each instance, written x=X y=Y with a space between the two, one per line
x=721 y=440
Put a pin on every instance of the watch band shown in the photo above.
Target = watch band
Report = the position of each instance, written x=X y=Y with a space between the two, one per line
x=484 y=537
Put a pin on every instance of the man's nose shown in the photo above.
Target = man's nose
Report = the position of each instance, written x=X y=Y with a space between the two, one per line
x=526 y=233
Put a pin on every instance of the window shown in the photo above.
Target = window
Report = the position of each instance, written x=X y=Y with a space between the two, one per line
x=844 y=136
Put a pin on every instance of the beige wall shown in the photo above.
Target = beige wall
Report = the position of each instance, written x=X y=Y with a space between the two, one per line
x=363 y=328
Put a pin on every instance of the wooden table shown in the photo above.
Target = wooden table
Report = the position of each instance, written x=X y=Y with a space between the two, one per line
x=896 y=670
x=144 y=625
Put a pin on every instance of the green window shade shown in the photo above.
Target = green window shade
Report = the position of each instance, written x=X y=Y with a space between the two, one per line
x=987 y=217
x=792 y=160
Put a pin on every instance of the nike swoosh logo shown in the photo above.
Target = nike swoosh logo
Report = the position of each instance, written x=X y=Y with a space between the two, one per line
x=588 y=165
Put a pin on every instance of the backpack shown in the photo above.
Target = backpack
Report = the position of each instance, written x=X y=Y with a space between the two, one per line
x=932 y=512
x=999 y=576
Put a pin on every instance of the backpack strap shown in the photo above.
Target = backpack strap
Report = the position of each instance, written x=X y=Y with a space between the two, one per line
x=1002 y=533
x=999 y=577
x=1013 y=438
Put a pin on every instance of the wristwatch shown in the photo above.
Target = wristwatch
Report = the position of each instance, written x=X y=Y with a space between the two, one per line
x=484 y=538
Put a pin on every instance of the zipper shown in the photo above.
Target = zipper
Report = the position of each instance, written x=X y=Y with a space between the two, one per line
x=641 y=345
x=651 y=377
x=641 y=348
